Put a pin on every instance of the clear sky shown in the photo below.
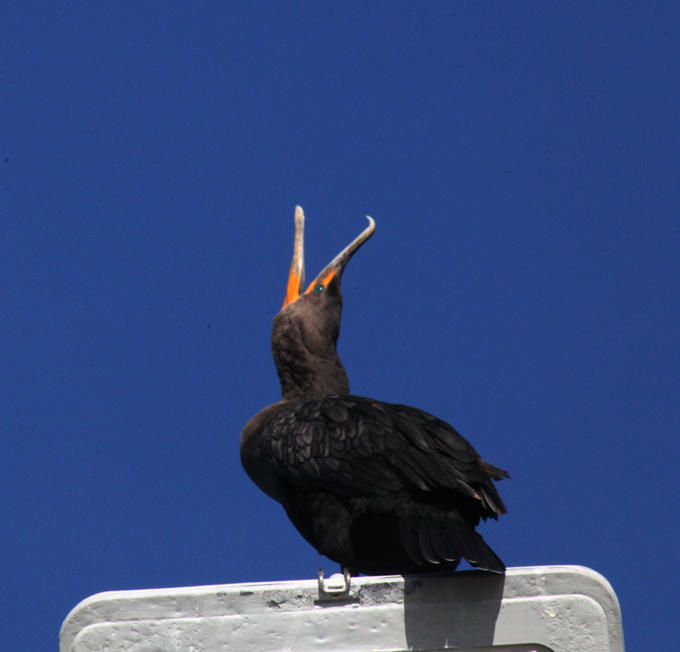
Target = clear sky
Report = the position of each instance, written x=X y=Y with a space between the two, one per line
x=522 y=163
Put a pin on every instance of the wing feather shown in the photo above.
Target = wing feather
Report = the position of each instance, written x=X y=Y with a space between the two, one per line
x=359 y=447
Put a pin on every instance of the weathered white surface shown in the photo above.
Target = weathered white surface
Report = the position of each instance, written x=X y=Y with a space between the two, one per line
x=559 y=607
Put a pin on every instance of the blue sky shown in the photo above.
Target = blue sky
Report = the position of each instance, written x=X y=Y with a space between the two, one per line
x=521 y=163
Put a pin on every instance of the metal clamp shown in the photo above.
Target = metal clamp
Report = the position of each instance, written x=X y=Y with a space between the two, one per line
x=336 y=587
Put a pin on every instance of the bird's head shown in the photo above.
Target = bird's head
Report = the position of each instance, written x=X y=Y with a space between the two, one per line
x=306 y=331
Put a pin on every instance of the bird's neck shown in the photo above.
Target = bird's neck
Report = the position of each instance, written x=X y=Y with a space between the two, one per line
x=305 y=375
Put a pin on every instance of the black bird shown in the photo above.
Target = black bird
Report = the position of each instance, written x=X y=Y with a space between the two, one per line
x=379 y=488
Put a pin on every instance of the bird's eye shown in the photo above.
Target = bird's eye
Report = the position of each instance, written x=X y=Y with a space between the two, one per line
x=318 y=289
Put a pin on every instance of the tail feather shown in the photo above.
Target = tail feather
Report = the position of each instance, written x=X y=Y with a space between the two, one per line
x=446 y=542
x=481 y=555
x=463 y=542
x=408 y=531
x=440 y=543
x=426 y=547
x=435 y=541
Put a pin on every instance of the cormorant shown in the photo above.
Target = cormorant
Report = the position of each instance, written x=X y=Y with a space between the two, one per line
x=379 y=488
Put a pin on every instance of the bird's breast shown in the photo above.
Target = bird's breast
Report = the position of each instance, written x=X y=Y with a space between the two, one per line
x=253 y=459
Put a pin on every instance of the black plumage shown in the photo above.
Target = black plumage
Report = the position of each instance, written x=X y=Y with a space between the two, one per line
x=377 y=487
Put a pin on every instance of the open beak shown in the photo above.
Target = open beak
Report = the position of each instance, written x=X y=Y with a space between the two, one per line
x=296 y=276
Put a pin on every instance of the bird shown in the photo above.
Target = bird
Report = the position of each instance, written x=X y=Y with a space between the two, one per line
x=379 y=488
